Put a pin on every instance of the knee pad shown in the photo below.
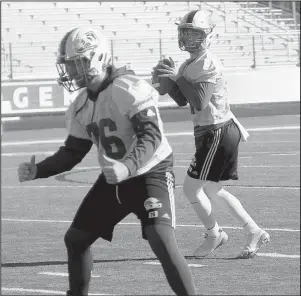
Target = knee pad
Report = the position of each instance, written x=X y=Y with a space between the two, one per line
x=192 y=188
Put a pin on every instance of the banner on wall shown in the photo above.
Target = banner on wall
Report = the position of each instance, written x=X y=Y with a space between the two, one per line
x=34 y=97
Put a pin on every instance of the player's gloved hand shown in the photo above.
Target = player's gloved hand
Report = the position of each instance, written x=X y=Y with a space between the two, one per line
x=155 y=77
x=167 y=68
x=114 y=170
x=28 y=170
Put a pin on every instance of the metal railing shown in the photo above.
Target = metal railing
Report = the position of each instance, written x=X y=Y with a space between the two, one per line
x=235 y=50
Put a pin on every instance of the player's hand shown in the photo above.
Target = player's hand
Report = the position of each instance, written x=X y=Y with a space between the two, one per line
x=155 y=77
x=167 y=69
x=28 y=170
x=114 y=170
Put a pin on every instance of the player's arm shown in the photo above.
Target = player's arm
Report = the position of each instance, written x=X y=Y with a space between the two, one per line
x=146 y=127
x=166 y=78
x=68 y=156
x=197 y=94
x=75 y=147
x=176 y=94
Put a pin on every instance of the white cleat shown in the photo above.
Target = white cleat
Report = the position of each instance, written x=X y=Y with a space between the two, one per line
x=210 y=244
x=254 y=242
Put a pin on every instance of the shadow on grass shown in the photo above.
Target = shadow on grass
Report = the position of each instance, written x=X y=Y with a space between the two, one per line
x=49 y=263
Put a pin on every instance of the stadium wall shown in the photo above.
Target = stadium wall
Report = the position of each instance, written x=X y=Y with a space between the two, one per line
x=266 y=85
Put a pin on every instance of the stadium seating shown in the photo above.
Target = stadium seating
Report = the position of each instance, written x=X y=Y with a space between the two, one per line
x=140 y=32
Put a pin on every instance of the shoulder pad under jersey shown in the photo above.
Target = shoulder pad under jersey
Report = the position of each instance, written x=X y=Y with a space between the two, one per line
x=204 y=69
x=132 y=94
x=77 y=104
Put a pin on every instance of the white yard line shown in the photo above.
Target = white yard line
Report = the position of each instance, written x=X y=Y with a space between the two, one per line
x=274 y=153
x=63 y=274
x=177 y=186
x=255 y=166
x=42 y=291
x=21 y=154
x=271 y=255
x=276 y=255
x=269 y=153
x=58 y=141
x=138 y=223
x=158 y=263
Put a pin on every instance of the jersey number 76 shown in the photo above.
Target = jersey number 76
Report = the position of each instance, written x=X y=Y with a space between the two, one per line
x=113 y=145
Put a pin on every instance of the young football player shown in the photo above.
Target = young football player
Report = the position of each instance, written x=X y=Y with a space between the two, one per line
x=117 y=111
x=200 y=82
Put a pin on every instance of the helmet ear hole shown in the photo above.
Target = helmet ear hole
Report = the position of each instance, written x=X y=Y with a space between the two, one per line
x=100 y=57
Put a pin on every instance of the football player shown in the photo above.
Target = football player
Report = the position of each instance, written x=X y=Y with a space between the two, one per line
x=201 y=83
x=117 y=111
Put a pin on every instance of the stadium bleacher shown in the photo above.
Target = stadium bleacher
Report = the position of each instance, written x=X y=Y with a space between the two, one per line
x=141 y=33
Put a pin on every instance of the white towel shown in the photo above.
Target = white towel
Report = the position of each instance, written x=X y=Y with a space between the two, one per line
x=243 y=131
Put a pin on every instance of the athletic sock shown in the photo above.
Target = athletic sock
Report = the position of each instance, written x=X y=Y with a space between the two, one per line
x=250 y=227
x=233 y=206
x=213 y=231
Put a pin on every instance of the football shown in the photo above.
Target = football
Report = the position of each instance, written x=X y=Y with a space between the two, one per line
x=165 y=83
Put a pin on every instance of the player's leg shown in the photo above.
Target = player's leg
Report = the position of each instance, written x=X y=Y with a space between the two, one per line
x=162 y=241
x=98 y=213
x=155 y=207
x=80 y=260
x=193 y=188
x=229 y=203
x=227 y=155
x=215 y=237
x=256 y=237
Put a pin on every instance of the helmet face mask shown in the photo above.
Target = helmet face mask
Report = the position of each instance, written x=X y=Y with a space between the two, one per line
x=191 y=40
x=73 y=73
x=195 y=31
x=83 y=56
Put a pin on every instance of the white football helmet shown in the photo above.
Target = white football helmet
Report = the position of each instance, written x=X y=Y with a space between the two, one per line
x=83 y=55
x=198 y=21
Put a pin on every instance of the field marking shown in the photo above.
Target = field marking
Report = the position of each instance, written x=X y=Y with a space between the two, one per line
x=186 y=166
x=15 y=118
x=249 y=141
x=21 y=143
x=58 y=141
x=21 y=154
x=284 y=154
x=270 y=141
x=177 y=186
x=271 y=153
x=257 y=187
x=43 y=291
x=254 y=166
x=158 y=263
x=277 y=255
x=256 y=129
x=273 y=128
x=63 y=274
x=46 y=186
x=54 y=292
x=138 y=223
x=274 y=153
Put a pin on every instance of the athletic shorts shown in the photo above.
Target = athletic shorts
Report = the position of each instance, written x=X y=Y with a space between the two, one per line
x=216 y=154
x=150 y=197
